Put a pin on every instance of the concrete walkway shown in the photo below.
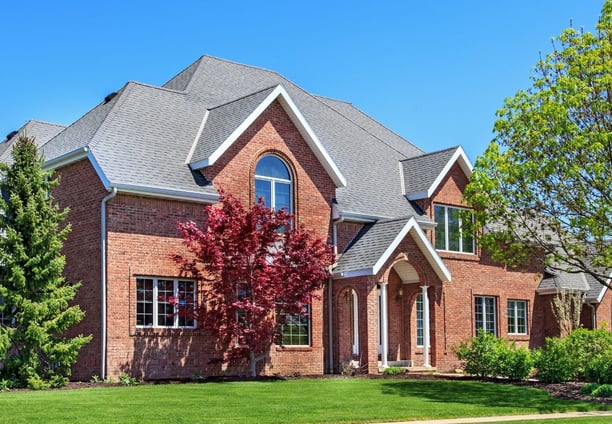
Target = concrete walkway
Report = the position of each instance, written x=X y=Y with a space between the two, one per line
x=508 y=418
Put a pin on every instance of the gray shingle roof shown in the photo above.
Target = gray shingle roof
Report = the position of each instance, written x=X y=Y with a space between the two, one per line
x=369 y=245
x=557 y=280
x=144 y=135
x=420 y=172
x=41 y=131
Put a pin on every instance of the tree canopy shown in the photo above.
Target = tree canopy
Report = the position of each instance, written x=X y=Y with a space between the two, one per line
x=542 y=187
x=260 y=272
x=35 y=297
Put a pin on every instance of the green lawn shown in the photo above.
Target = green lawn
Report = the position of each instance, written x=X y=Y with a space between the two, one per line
x=293 y=401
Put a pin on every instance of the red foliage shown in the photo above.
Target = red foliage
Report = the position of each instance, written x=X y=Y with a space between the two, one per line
x=252 y=262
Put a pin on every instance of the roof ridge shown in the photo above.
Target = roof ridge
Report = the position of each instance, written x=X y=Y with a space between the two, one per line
x=437 y=152
x=244 y=97
x=364 y=129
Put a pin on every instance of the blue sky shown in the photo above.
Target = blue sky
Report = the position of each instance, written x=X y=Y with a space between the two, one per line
x=435 y=72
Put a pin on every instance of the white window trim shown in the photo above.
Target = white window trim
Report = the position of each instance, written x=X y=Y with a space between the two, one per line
x=274 y=181
x=446 y=241
x=416 y=309
x=309 y=317
x=482 y=299
x=516 y=317
x=156 y=301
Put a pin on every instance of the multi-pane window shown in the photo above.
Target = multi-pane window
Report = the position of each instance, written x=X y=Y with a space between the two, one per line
x=517 y=317
x=485 y=315
x=419 y=321
x=295 y=329
x=450 y=233
x=165 y=302
x=273 y=183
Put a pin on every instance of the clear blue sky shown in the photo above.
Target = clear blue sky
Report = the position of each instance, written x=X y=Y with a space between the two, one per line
x=435 y=72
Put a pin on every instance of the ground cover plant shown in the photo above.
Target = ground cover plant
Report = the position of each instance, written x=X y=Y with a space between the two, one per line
x=304 y=400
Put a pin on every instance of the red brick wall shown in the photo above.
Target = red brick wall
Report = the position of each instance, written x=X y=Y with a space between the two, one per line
x=476 y=275
x=142 y=233
x=274 y=133
x=82 y=192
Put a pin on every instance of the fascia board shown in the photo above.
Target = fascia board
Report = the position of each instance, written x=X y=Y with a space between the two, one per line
x=603 y=290
x=299 y=121
x=311 y=138
x=75 y=156
x=431 y=255
x=163 y=193
x=354 y=273
x=465 y=164
x=67 y=158
x=361 y=218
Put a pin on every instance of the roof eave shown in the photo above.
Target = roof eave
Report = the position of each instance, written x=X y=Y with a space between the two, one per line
x=164 y=193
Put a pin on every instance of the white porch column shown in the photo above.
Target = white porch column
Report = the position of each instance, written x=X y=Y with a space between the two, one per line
x=384 y=324
x=426 y=362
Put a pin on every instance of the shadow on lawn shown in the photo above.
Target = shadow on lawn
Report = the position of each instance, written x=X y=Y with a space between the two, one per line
x=484 y=395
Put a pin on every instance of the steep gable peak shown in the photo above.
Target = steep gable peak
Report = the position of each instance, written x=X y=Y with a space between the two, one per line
x=423 y=174
x=216 y=135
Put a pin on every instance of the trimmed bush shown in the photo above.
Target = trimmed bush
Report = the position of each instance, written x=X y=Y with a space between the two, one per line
x=599 y=369
x=555 y=363
x=586 y=346
x=488 y=356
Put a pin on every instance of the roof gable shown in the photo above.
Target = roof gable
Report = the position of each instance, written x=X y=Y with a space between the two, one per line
x=377 y=242
x=423 y=174
x=220 y=130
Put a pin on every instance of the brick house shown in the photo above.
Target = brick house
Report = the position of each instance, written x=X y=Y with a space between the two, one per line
x=408 y=284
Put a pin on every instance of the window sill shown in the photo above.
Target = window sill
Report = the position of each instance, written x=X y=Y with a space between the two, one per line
x=458 y=255
x=161 y=331
x=294 y=348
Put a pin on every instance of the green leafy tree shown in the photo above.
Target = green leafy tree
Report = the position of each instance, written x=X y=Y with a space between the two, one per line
x=35 y=296
x=542 y=187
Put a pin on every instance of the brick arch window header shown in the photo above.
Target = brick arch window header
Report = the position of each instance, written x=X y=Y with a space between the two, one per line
x=273 y=183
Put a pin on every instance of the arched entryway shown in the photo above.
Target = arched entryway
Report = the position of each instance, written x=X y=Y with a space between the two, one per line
x=404 y=317
x=348 y=320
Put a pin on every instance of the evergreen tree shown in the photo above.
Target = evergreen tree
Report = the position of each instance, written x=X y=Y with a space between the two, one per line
x=34 y=295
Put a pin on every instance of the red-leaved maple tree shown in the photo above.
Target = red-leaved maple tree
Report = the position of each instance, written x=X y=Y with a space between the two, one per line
x=258 y=270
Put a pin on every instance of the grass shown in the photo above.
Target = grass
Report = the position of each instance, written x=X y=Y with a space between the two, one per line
x=295 y=401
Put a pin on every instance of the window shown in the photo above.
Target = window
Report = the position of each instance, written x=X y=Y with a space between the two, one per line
x=295 y=329
x=273 y=183
x=484 y=307
x=160 y=301
x=517 y=317
x=449 y=229
x=419 y=320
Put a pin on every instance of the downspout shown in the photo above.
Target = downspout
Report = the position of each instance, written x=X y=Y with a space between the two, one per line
x=330 y=303
x=113 y=193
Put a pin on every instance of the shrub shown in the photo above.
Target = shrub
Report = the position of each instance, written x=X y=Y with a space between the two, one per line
x=488 y=356
x=587 y=345
x=605 y=390
x=515 y=363
x=597 y=390
x=393 y=371
x=555 y=363
x=599 y=369
x=127 y=380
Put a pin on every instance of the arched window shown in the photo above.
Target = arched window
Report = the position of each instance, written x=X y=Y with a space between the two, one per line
x=273 y=183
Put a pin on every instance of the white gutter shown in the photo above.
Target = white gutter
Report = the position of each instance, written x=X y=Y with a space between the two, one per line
x=113 y=193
